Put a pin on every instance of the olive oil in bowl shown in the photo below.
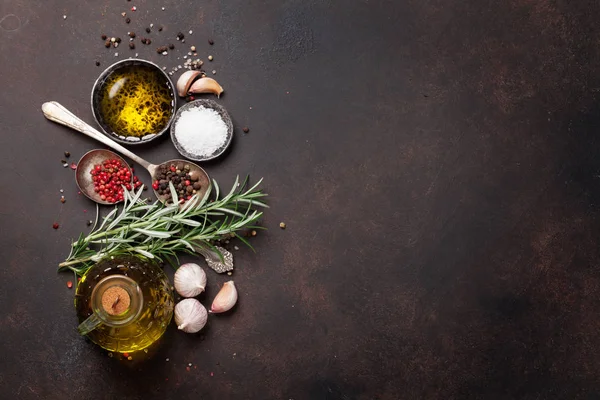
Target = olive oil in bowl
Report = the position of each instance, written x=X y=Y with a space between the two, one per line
x=133 y=101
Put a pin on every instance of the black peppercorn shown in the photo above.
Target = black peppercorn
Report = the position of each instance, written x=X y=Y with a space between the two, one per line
x=161 y=49
x=127 y=20
x=160 y=29
x=131 y=34
x=107 y=43
x=131 y=45
x=171 y=46
x=147 y=30
x=67 y=154
x=103 y=37
x=148 y=41
x=118 y=40
x=246 y=130
x=163 y=186
x=97 y=63
x=180 y=36
x=211 y=42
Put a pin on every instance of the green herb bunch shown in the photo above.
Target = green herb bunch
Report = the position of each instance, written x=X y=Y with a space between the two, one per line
x=161 y=231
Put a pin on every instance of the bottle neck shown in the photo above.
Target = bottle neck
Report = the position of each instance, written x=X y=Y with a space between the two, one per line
x=117 y=300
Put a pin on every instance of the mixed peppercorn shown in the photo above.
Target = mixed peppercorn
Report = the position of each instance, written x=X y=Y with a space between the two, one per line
x=185 y=181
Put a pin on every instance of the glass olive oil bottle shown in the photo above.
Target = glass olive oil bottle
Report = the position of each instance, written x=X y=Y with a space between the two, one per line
x=124 y=304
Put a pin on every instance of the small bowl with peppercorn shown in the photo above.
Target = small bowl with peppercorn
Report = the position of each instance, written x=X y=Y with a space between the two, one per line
x=187 y=179
x=134 y=101
x=201 y=130
x=102 y=176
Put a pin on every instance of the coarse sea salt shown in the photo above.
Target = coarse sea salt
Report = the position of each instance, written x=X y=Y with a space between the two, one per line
x=201 y=131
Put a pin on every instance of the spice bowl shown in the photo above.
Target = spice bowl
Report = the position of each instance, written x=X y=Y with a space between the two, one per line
x=84 y=179
x=215 y=114
x=133 y=101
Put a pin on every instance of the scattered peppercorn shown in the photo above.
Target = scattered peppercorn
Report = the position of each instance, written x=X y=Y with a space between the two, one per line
x=147 y=30
x=148 y=41
x=97 y=63
x=246 y=129
x=131 y=34
x=160 y=28
x=193 y=48
x=161 y=49
x=73 y=166
x=127 y=20
x=69 y=284
x=180 y=36
x=282 y=225
x=131 y=45
x=107 y=43
x=55 y=225
x=253 y=233
x=62 y=199
x=89 y=223
x=211 y=42
x=171 y=46
x=125 y=355
x=210 y=58
x=63 y=161
x=103 y=37
x=118 y=40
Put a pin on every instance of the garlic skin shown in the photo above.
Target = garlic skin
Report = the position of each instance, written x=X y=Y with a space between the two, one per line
x=206 y=85
x=225 y=299
x=185 y=81
x=190 y=315
x=189 y=280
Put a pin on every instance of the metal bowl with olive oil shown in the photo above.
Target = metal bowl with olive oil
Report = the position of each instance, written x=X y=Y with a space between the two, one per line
x=134 y=101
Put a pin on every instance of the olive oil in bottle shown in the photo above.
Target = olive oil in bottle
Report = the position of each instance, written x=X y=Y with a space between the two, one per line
x=125 y=304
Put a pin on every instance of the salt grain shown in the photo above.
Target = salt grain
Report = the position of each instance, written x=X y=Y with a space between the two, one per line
x=201 y=131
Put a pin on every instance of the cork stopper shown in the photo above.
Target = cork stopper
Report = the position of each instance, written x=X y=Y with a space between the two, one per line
x=115 y=300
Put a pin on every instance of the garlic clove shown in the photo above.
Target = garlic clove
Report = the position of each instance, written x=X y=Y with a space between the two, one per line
x=185 y=81
x=206 y=85
x=225 y=299
x=190 y=315
x=189 y=280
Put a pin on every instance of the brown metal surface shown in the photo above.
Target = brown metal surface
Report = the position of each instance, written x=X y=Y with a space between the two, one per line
x=436 y=164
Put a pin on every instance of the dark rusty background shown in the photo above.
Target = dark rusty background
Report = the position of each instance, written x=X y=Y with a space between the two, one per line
x=437 y=165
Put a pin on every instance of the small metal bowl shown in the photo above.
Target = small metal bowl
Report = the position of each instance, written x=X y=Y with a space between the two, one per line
x=84 y=178
x=97 y=90
x=206 y=104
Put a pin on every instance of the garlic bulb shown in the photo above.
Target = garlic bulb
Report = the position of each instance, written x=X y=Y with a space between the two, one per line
x=225 y=299
x=190 y=315
x=189 y=280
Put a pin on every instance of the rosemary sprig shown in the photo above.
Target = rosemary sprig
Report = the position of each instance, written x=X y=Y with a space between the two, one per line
x=161 y=231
